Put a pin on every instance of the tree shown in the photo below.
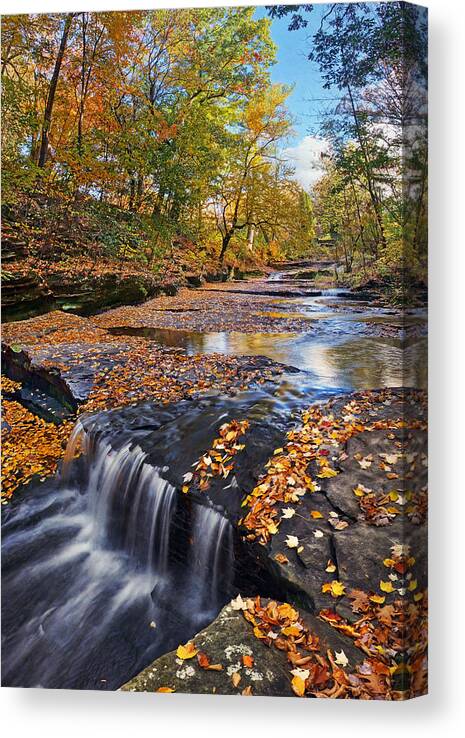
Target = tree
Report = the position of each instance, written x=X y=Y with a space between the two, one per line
x=264 y=123
x=374 y=56
x=52 y=90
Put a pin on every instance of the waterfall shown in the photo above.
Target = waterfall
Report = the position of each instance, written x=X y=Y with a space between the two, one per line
x=129 y=504
x=213 y=554
x=106 y=566
x=132 y=508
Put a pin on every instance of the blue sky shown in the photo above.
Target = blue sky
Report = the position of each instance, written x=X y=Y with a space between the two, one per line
x=307 y=99
x=294 y=68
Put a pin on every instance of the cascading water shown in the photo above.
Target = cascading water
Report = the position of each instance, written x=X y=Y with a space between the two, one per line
x=95 y=581
x=213 y=552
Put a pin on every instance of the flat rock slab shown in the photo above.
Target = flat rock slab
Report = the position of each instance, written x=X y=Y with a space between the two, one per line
x=208 y=310
x=225 y=642
x=340 y=539
x=65 y=355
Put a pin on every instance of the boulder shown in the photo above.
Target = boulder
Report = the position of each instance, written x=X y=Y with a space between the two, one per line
x=225 y=642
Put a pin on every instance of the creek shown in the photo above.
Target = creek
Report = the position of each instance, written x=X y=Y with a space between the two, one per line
x=106 y=566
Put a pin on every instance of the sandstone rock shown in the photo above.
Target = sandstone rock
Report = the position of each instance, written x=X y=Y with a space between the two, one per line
x=225 y=642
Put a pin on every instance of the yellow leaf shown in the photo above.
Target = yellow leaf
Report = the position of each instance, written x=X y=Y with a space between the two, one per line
x=187 y=652
x=327 y=472
x=413 y=585
x=315 y=514
x=165 y=689
x=291 y=630
x=378 y=599
x=386 y=586
x=336 y=588
x=286 y=611
x=298 y=686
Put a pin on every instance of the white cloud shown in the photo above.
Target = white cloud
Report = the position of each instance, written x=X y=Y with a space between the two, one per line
x=306 y=158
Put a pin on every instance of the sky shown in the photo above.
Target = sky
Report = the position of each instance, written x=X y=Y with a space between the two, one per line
x=307 y=99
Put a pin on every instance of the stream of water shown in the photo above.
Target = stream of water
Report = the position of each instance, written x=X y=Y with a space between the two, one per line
x=105 y=567
x=94 y=576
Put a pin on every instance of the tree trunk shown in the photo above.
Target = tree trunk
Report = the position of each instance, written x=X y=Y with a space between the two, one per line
x=250 y=237
x=224 y=246
x=132 y=192
x=52 y=90
x=83 y=83
x=139 y=190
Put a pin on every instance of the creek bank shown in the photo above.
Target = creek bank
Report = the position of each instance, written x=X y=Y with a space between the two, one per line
x=397 y=290
x=34 y=285
x=29 y=292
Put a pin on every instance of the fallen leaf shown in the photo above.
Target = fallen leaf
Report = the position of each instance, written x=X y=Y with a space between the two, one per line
x=235 y=679
x=360 y=490
x=298 y=686
x=338 y=524
x=341 y=659
x=292 y=541
x=238 y=603
x=337 y=589
x=389 y=458
x=327 y=472
x=186 y=652
x=386 y=586
x=204 y=661
x=301 y=673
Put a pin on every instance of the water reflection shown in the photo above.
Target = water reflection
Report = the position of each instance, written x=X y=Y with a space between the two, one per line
x=334 y=361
